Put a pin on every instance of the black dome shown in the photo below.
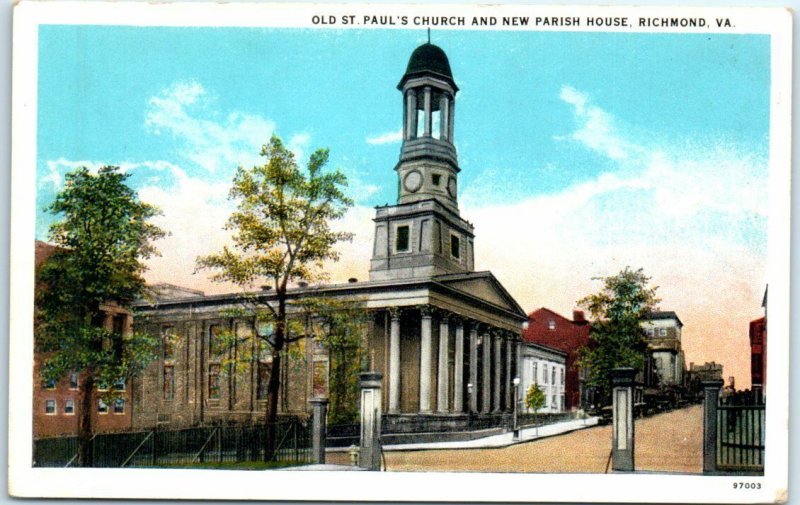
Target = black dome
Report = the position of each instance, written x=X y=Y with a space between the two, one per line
x=428 y=59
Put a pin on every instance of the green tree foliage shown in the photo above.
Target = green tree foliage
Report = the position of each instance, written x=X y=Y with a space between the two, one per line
x=282 y=234
x=340 y=328
x=102 y=236
x=617 y=338
x=534 y=398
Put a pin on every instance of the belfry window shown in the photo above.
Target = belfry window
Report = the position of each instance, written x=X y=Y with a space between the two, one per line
x=403 y=239
x=455 y=247
x=436 y=179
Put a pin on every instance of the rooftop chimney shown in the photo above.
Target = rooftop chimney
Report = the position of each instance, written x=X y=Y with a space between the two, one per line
x=578 y=317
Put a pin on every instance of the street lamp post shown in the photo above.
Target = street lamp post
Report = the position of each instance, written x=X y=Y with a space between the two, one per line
x=515 y=437
x=469 y=408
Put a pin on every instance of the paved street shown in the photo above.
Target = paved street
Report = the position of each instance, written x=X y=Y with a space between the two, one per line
x=670 y=442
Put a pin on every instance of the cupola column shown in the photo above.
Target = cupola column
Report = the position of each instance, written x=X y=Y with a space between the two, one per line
x=411 y=114
x=451 y=112
x=444 y=117
x=428 y=115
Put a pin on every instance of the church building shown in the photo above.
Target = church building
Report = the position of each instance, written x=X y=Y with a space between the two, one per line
x=445 y=337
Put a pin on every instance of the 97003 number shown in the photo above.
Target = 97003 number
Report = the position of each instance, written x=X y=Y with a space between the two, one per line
x=746 y=485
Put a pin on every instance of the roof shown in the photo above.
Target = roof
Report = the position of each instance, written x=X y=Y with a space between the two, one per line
x=543 y=347
x=668 y=314
x=428 y=59
x=479 y=289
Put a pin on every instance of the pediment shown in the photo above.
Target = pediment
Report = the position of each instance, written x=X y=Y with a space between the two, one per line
x=482 y=285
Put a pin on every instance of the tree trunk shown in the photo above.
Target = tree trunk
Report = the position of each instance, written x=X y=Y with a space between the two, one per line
x=85 y=452
x=273 y=387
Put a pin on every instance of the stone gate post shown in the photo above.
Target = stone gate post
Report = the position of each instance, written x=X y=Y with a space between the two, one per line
x=319 y=408
x=369 y=456
x=710 y=400
x=622 y=432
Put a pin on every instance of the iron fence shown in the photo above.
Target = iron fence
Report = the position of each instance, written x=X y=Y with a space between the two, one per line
x=740 y=437
x=183 y=447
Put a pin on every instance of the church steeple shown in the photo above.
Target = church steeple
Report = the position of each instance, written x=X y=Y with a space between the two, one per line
x=423 y=235
x=428 y=166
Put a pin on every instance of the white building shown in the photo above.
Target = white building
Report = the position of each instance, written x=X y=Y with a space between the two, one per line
x=664 y=342
x=546 y=367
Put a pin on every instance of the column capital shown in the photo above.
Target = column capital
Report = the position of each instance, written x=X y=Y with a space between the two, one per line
x=394 y=312
x=445 y=316
x=427 y=310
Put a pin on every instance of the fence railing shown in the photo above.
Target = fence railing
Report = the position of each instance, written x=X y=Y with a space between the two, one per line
x=740 y=437
x=184 y=447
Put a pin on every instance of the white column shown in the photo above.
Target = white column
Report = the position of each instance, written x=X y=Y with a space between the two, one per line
x=473 y=367
x=509 y=376
x=451 y=112
x=444 y=122
x=425 y=361
x=443 y=382
x=428 y=116
x=498 y=363
x=394 y=362
x=458 y=370
x=486 y=391
x=411 y=114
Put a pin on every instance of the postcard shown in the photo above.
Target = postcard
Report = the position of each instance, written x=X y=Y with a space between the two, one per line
x=398 y=252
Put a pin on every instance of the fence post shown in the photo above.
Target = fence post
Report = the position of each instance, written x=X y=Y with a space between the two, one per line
x=369 y=455
x=319 y=408
x=622 y=433
x=710 y=400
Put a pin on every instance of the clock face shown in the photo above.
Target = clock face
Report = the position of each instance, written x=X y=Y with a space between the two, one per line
x=451 y=186
x=413 y=181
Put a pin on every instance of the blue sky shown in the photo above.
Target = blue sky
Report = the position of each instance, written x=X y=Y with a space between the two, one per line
x=594 y=150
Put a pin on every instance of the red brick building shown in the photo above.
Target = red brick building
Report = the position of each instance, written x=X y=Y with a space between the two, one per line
x=56 y=406
x=554 y=330
x=758 y=351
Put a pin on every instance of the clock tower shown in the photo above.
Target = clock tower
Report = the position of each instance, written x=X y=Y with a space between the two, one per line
x=424 y=234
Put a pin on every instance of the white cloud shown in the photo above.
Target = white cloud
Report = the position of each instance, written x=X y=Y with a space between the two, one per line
x=298 y=144
x=386 y=138
x=693 y=216
x=183 y=111
x=596 y=129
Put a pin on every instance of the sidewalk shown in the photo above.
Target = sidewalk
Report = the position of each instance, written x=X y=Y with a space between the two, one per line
x=502 y=440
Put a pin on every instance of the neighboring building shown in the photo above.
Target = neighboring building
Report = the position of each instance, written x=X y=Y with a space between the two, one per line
x=56 y=405
x=549 y=328
x=664 y=344
x=544 y=366
x=705 y=372
x=445 y=337
x=758 y=351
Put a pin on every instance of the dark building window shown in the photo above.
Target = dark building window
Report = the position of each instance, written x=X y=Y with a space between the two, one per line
x=213 y=382
x=455 y=246
x=119 y=406
x=102 y=408
x=50 y=407
x=215 y=344
x=168 y=342
x=263 y=380
x=436 y=178
x=119 y=385
x=403 y=243
x=119 y=324
x=50 y=384
x=69 y=407
x=73 y=380
x=169 y=383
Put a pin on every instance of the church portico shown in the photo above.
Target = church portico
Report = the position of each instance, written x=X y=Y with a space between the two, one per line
x=431 y=370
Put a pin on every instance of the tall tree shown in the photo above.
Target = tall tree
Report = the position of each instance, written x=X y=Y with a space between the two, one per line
x=102 y=237
x=282 y=234
x=617 y=338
